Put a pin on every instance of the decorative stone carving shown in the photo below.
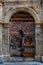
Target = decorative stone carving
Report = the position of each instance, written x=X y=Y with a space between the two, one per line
x=31 y=1
x=10 y=10
x=37 y=8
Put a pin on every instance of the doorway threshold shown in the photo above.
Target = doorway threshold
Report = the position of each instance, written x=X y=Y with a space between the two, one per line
x=21 y=59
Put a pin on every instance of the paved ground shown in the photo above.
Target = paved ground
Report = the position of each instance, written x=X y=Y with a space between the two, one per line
x=23 y=63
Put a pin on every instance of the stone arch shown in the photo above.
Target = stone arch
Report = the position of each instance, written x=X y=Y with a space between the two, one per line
x=26 y=9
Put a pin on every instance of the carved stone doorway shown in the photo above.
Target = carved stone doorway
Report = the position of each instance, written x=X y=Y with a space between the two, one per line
x=22 y=35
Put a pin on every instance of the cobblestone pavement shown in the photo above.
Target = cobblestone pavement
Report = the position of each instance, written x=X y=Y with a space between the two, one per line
x=23 y=63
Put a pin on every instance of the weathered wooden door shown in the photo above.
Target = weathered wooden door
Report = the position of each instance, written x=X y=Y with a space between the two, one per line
x=25 y=22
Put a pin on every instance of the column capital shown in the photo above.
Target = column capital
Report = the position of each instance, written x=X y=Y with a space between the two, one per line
x=37 y=24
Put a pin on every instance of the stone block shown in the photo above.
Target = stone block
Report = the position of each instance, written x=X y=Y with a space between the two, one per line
x=6 y=58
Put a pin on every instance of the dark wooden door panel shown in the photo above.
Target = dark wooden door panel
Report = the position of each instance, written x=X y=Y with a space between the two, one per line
x=25 y=21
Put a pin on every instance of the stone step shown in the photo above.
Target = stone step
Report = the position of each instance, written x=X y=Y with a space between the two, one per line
x=21 y=59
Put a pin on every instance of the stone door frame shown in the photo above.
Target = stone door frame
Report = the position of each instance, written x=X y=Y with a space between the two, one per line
x=12 y=10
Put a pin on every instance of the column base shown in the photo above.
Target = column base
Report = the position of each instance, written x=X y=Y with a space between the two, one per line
x=6 y=58
x=38 y=58
x=1 y=59
x=41 y=58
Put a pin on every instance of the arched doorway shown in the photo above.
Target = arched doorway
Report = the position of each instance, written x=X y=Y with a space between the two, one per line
x=22 y=34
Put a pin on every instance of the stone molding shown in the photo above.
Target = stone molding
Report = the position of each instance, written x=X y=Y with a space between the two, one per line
x=11 y=10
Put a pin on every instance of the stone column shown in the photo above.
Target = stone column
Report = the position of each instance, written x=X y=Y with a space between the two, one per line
x=1 y=20
x=38 y=42
x=6 y=39
x=42 y=42
x=0 y=39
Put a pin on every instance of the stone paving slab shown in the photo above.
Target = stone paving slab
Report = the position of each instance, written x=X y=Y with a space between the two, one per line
x=24 y=63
